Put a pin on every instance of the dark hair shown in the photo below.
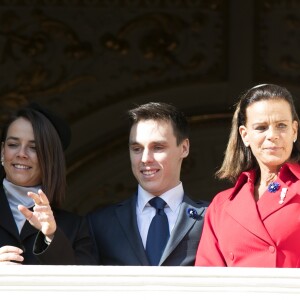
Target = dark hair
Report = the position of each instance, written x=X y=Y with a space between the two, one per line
x=49 y=153
x=239 y=158
x=161 y=111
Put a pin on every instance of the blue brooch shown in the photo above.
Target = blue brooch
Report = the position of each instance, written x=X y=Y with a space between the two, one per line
x=273 y=187
x=192 y=213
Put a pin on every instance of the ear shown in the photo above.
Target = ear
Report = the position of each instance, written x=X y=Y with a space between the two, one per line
x=295 y=129
x=244 y=135
x=185 y=146
x=2 y=149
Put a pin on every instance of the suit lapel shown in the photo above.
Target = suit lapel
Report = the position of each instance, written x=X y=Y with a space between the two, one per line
x=182 y=226
x=126 y=214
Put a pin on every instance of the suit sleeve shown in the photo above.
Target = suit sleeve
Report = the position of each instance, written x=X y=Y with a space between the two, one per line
x=208 y=252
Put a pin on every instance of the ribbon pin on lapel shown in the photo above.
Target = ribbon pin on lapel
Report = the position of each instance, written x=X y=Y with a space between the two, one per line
x=282 y=195
x=192 y=213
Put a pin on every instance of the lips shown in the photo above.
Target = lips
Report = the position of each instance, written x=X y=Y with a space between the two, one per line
x=21 y=167
x=149 y=172
x=273 y=149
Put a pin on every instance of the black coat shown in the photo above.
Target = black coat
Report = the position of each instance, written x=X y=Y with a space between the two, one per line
x=118 y=241
x=71 y=244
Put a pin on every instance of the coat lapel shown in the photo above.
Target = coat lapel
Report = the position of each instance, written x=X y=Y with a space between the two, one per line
x=126 y=214
x=27 y=230
x=270 y=201
x=182 y=226
x=8 y=223
x=6 y=218
x=244 y=210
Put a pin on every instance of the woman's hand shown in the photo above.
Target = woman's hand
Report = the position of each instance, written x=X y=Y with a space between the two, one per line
x=42 y=216
x=10 y=255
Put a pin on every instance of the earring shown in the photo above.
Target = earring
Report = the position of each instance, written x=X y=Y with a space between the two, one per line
x=295 y=140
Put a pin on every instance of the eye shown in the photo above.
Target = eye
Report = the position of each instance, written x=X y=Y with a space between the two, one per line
x=136 y=149
x=158 y=147
x=12 y=145
x=282 y=125
x=261 y=127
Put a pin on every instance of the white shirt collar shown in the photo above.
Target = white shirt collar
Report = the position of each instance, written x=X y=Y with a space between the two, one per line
x=172 y=197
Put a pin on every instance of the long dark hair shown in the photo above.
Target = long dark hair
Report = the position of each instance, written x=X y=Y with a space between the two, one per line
x=239 y=158
x=49 y=151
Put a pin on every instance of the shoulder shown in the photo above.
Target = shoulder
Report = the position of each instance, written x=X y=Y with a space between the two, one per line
x=195 y=203
x=109 y=210
x=221 y=198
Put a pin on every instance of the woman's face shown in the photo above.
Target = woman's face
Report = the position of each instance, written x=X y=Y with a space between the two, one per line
x=19 y=154
x=270 y=132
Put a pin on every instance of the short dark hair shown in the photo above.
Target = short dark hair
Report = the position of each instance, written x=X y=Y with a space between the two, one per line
x=164 y=112
x=49 y=150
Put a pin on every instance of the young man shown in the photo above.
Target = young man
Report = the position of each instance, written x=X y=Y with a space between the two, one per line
x=134 y=232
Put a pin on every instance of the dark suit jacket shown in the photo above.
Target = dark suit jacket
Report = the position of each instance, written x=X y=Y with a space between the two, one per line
x=71 y=244
x=118 y=241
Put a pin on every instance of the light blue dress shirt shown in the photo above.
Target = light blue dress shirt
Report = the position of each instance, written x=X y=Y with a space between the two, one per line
x=145 y=212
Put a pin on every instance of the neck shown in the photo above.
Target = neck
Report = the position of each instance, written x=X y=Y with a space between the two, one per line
x=266 y=179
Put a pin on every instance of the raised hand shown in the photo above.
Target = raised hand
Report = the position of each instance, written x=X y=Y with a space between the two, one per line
x=42 y=216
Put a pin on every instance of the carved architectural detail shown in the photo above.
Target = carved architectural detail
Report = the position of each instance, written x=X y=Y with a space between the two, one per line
x=277 y=41
x=90 y=60
x=34 y=57
x=106 y=56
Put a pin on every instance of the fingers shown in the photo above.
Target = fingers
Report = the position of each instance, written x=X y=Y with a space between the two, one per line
x=25 y=211
x=7 y=249
x=11 y=255
x=44 y=213
x=40 y=198
x=42 y=216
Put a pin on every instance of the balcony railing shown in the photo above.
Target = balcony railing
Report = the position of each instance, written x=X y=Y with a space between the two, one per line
x=64 y=282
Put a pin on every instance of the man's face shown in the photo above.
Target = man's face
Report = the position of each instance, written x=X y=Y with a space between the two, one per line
x=155 y=156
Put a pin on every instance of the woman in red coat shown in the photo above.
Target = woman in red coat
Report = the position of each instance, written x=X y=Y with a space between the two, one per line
x=257 y=222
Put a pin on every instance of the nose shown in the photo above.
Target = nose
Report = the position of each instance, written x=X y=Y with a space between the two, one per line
x=272 y=134
x=146 y=156
x=22 y=152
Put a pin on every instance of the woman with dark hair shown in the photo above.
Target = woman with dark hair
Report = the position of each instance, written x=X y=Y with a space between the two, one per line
x=256 y=223
x=33 y=228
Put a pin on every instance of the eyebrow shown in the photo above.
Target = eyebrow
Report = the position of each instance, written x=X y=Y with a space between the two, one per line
x=133 y=143
x=278 y=121
x=17 y=139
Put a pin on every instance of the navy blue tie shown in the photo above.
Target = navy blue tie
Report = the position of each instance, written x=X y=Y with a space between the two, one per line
x=158 y=233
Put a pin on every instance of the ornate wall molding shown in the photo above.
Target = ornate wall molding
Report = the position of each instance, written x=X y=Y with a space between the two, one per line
x=92 y=60
x=83 y=51
x=277 y=24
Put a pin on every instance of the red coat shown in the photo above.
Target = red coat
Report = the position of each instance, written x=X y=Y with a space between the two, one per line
x=240 y=232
